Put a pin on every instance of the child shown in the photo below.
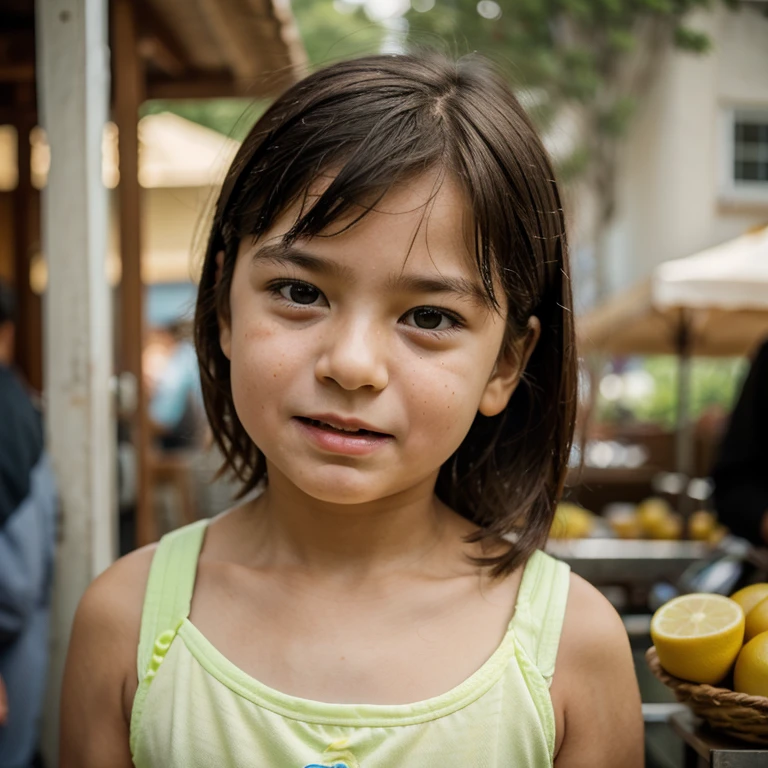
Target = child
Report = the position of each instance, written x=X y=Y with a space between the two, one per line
x=385 y=337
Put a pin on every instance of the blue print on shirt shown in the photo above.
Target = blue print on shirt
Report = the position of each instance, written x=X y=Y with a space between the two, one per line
x=335 y=765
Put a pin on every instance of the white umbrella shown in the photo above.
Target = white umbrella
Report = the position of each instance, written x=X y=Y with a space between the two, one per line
x=732 y=276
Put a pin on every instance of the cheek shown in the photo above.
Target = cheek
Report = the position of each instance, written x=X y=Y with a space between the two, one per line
x=261 y=367
x=444 y=402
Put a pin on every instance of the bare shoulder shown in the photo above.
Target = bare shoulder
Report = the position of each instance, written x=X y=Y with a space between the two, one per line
x=115 y=598
x=100 y=675
x=591 y=624
x=595 y=689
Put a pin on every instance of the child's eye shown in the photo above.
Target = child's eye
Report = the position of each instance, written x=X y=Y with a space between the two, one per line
x=432 y=319
x=296 y=292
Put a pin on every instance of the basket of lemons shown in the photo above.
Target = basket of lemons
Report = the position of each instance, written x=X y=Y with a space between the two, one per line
x=712 y=651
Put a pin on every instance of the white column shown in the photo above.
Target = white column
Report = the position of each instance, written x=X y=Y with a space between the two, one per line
x=73 y=95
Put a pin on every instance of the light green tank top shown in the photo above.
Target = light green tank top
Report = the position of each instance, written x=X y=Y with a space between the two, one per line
x=195 y=709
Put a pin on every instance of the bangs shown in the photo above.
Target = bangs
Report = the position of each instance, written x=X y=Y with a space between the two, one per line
x=367 y=136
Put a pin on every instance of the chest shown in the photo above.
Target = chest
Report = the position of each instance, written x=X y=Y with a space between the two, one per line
x=390 y=645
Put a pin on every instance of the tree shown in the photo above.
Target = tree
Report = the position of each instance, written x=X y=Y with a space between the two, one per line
x=589 y=58
x=332 y=31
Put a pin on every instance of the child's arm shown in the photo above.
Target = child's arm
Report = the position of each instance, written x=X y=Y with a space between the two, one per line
x=595 y=680
x=100 y=677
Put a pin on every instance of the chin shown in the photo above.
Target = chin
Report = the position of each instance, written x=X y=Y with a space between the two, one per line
x=339 y=485
x=346 y=494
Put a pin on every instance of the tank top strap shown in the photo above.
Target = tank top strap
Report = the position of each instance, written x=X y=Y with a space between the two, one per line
x=538 y=619
x=170 y=586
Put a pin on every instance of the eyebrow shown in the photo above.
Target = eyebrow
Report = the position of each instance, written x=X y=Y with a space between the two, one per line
x=287 y=255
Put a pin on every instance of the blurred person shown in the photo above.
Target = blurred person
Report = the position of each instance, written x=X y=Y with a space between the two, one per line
x=27 y=540
x=175 y=402
x=740 y=472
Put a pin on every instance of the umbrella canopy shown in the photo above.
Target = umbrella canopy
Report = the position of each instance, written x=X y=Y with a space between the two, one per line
x=719 y=296
x=732 y=276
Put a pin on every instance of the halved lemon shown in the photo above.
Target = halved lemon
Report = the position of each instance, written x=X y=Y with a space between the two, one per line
x=698 y=636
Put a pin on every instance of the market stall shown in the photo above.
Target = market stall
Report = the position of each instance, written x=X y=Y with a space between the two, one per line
x=715 y=304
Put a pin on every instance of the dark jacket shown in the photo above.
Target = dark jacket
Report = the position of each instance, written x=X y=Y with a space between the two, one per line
x=27 y=540
x=741 y=470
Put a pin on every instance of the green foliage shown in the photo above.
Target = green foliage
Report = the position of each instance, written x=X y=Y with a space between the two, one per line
x=232 y=117
x=574 y=165
x=715 y=382
x=331 y=35
x=614 y=120
x=692 y=40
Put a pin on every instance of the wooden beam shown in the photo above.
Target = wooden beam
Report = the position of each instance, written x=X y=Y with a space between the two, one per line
x=14 y=73
x=12 y=114
x=287 y=31
x=233 y=36
x=218 y=86
x=129 y=94
x=73 y=99
x=25 y=238
x=152 y=48
x=158 y=43
x=215 y=86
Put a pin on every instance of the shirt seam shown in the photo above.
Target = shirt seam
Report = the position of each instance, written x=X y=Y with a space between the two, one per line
x=222 y=670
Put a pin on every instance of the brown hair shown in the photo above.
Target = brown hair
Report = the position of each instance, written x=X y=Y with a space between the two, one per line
x=377 y=121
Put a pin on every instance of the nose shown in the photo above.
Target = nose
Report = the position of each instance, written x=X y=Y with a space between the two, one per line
x=354 y=355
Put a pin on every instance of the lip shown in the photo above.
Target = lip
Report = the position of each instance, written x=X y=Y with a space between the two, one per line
x=342 y=423
x=329 y=441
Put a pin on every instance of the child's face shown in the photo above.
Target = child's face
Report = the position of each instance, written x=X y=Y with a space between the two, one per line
x=377 y=325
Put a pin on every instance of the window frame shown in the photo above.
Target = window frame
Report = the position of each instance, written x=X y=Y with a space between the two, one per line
x=731 y=190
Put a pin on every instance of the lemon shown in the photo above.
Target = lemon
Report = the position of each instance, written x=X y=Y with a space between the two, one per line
x=751 y=672
x=698 y=636
x=668 y=527
x=571 y=522
x=701 y=525
x=718 y=534
x=750 y=596
x=651 y=514
x=757 y=620
x=625 y=525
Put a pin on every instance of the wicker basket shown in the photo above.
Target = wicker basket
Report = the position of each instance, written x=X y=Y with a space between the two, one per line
x=737 y=714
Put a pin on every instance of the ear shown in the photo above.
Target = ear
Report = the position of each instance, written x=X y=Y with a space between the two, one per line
x=508 y=371
x=225 y=333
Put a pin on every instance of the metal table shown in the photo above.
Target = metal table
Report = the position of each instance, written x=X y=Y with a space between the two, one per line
x=634 y=561
x=704 y=747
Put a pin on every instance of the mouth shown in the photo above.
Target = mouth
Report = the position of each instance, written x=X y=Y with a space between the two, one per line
x=342 y=427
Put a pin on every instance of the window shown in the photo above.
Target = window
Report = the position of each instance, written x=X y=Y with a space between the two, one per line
x=745 y=156
x=750 y=149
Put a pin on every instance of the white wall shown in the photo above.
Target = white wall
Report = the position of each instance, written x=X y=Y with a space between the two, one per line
x=670 y=203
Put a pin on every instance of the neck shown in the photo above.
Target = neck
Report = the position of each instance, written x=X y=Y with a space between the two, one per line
x=383 y=535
